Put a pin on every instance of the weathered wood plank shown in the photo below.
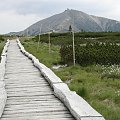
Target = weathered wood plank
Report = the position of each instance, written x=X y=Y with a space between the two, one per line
x=38 y=118
x=29 y=96
x=35 y=110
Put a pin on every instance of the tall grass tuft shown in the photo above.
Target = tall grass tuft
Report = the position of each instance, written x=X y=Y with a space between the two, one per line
x=82 y=92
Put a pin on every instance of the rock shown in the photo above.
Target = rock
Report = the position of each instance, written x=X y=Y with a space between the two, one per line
x=79 y=108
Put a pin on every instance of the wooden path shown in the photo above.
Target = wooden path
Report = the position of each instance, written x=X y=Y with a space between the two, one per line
x=29 y=96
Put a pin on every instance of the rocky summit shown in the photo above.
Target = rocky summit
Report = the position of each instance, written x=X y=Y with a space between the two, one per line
x=79 y=21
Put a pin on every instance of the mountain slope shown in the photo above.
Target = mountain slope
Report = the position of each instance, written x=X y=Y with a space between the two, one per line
x=77 y=19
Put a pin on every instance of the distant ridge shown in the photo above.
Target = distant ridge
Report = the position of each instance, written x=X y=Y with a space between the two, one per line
x=79 y=21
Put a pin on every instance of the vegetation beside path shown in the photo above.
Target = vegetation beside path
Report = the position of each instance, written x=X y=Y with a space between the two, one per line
x=97 y=84
x=2 y=43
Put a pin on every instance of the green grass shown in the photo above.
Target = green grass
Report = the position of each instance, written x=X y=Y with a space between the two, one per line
x=2 y=43
x=43 y=53
x=101 y=94
x=1 y=48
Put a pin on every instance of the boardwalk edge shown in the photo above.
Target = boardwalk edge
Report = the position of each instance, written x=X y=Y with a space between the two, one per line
x=78 y=107
x=3 y=94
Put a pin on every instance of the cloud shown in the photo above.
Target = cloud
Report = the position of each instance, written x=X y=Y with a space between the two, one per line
x=49 y=7
x=22 y=13
x=10 y=21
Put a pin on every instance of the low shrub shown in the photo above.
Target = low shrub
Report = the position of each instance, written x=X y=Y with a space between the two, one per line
x=96 y=53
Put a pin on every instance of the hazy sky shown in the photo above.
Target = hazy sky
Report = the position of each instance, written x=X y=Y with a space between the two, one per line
x=16 y=15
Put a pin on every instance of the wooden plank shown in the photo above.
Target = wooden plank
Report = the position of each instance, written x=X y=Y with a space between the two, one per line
x=25 y=86
x=34 y=107
x=32 y=117
x=33 y=79
x=35 y=110
x=31 y=98
x=51 y=103
x=48 y=102
x=31 y=94
x=28 y=90
x=51 y=115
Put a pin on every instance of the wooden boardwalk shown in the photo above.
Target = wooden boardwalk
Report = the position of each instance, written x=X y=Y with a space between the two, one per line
x=29 y=96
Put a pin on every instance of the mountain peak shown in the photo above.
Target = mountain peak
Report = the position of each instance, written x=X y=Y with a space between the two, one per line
x=77 y=19
x=67 y=9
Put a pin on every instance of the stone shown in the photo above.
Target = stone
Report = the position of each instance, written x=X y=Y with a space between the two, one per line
x=3 y=98
x=50 y=76
x=3 y=95
x=77 y=105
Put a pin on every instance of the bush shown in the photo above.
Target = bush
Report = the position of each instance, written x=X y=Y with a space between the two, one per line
x=95 y=53
x=80 y=38
x=1 y=38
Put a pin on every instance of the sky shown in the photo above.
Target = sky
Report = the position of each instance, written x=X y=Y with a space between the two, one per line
x=17 y=15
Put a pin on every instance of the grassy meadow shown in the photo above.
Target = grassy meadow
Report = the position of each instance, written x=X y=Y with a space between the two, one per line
x=97 y=84
x=2 y=43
